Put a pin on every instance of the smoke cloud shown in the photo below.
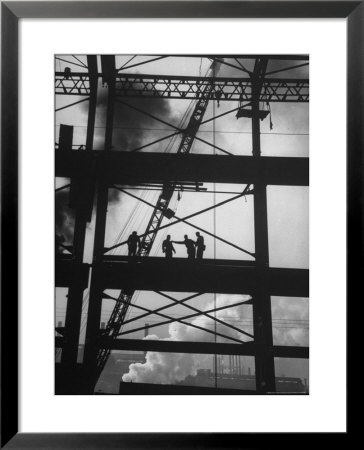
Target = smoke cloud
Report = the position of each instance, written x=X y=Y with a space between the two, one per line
x=64 y=219
x=162 y=368
x=133 y=128
x=169 y=368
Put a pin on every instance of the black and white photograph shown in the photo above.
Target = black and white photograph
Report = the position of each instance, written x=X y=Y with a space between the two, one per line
x=181 y=224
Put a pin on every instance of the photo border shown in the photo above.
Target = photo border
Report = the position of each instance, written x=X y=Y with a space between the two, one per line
x=11 y=13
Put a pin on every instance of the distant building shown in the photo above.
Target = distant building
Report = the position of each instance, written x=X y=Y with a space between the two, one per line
x=205 y=377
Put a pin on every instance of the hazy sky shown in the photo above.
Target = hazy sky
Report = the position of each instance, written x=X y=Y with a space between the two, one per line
x=288 y=212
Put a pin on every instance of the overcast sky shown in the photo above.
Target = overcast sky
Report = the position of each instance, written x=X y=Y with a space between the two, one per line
x=288 y=208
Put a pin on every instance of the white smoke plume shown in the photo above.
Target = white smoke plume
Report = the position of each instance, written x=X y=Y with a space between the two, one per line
x=168 y=368
x=161 y=368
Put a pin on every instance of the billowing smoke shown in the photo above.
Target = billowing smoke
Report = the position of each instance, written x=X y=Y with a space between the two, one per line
x=65 y=220
x=181 y=332
x=169 y=368
x=131 y=128
x=162 y=368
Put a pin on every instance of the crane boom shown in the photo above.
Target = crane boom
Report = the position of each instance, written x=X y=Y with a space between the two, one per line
x=160 y=211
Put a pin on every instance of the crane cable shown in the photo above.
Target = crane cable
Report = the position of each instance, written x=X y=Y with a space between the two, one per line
x=214 y=226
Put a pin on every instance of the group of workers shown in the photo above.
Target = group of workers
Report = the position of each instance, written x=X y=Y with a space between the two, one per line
x=195 y=249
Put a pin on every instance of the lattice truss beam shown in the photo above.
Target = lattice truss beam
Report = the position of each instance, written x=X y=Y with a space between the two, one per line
x=165 y=86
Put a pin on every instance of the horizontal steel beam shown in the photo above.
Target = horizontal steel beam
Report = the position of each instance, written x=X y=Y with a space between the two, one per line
x=247 y=56
x=68 y=272
x=202 y=348
x=183 y=275
x=134 y=168
x=185 y=87
x=173 y=389
x=219 y=262
x=209 y=348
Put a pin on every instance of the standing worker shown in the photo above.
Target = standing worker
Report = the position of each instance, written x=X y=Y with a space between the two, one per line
x=200 y=246
x=167 y=247
x=190 y=245
x=133 y=243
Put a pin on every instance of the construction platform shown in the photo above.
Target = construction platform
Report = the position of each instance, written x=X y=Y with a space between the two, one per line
x=183 y=275
x=117 y=167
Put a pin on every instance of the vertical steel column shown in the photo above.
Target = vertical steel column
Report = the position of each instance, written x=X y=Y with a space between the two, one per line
x=96 y=288
x=75 y=292
x=262 y=315
x=92 y=70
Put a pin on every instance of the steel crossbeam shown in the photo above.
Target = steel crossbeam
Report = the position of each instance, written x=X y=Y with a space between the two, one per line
x=179 y=219
x=180 y=320
x=184 y=87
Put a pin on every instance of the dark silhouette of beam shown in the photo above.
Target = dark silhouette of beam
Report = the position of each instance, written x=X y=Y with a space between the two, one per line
x=159 y=274
x=172 y=389
x=203 y=348
x=69 y=272
x=133 y=168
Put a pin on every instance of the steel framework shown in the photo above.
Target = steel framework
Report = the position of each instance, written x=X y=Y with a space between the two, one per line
x=164 y=86
x=122 y=303
x=91 y=171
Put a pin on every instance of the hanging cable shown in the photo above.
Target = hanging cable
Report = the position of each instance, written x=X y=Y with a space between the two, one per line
x=214 y=224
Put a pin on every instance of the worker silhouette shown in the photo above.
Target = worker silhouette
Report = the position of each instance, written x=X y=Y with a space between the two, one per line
x=133 y=243
x=200 y=246
x=190 y=246
x=167 y=247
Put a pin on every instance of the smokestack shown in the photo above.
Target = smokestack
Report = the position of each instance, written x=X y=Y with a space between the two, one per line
x=146 y=333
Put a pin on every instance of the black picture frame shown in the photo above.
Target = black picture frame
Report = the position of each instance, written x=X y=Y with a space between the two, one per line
x=11 y=13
